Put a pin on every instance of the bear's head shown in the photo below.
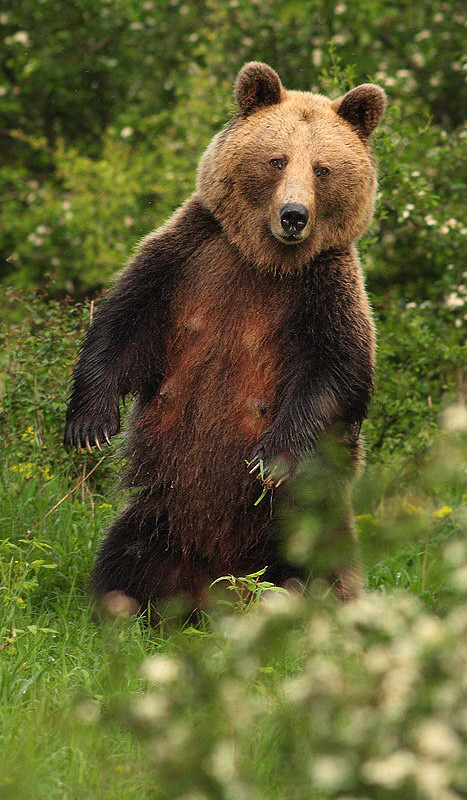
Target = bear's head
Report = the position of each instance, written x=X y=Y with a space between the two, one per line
x=292 y=175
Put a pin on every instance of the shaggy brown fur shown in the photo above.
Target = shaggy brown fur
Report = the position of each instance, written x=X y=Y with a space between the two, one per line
x=243 y=337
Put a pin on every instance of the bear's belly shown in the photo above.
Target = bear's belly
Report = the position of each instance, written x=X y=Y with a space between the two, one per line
x=191 y=442
x=221 y=374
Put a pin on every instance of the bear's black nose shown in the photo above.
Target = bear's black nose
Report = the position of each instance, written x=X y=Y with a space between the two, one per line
x=294 y=217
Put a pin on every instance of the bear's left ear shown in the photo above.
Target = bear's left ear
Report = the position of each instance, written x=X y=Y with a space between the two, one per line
x=257 y=86
x=363 y=107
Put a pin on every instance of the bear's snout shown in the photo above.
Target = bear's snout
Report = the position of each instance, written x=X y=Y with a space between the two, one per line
x=294 y=217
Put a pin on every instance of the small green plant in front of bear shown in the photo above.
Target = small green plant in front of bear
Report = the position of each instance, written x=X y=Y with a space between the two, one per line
x=247 y=590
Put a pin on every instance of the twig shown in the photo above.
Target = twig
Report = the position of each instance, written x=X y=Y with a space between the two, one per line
x=75 y=487
x=83 y=483
x=20 y=300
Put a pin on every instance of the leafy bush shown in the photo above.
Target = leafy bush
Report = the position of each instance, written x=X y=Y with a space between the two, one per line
x=111 y=150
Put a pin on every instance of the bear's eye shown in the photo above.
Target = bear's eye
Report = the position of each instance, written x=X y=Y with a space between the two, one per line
x=277 y=163
x=322 y=172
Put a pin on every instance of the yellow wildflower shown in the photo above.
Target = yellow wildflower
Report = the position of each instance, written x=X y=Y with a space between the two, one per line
x=410 y=509
x=442 y=512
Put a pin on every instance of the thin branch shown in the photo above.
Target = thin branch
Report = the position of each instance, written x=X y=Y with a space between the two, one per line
x=75 y=487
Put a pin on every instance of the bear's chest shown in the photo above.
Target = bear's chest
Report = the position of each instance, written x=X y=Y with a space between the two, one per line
x=226 y=350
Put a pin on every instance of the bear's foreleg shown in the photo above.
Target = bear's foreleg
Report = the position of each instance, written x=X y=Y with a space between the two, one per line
x=122 y=352
x=124 y=349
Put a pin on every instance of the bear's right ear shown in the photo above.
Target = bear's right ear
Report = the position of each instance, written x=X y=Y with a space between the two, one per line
x=257 y=86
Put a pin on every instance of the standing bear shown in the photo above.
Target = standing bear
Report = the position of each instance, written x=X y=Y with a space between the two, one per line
x=243 y=327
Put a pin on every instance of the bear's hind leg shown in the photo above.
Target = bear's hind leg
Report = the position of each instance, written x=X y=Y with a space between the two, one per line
x=135 y=560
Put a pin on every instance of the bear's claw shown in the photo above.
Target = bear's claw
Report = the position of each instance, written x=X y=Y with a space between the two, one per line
x=84 y=434
x=272 y=471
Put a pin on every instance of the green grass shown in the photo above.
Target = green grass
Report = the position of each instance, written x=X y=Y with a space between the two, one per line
x=56 y=654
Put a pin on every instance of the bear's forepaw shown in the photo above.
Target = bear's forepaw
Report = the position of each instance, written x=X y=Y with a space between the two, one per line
x=272 y=470
x=92 y=430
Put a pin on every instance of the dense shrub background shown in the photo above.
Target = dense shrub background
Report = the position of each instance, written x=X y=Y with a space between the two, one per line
x=106 y=106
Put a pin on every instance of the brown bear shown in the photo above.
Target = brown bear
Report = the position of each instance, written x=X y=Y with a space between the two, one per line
x=243 y=327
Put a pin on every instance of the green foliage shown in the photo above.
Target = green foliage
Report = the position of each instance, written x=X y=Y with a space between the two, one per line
x=246 y=590
x=108 y=106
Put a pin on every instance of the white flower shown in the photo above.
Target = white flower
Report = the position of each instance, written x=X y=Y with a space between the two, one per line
x=222 y=761
x=125 y=133
x=35 y=239
x=455 y=417
x=431 y=780
x=161 y=669
x=330 y=772
x=149 y=708
x=340 y=38
x=418 y=58
x=437 y=740
x=390 y=772
x=317 y=57
x=453 y=300
x=21 y=37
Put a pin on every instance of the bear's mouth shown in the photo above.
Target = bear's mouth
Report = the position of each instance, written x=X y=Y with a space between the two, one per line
x=289 y=238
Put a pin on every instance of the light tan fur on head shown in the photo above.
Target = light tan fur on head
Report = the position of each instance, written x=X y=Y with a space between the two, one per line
x=292 y=147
